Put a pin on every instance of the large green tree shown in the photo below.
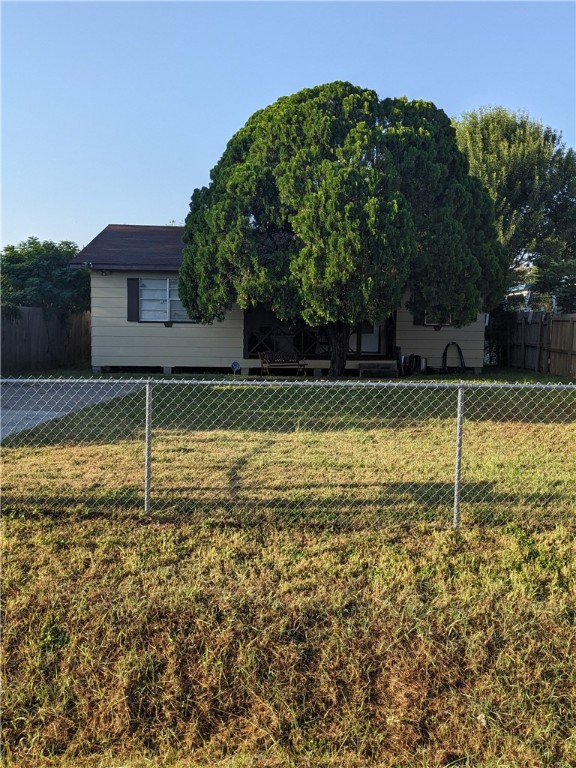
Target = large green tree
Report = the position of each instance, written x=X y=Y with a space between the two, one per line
x=331 y=204
x=37 y=273
x=531 y=178
x=554 y=270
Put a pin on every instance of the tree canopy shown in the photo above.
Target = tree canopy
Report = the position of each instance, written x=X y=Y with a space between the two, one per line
x=330 y=205
x=531 y=178
x=555 y=261
x=37 y=273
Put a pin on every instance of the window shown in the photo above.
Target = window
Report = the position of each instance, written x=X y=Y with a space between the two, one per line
x=155 y=300
x=434 y=319
x=370 y=342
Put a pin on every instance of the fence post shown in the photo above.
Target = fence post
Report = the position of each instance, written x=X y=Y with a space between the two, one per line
x=148 y=447
x=458 y=460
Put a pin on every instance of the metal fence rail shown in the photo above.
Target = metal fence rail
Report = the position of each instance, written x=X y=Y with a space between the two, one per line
x=334 y=453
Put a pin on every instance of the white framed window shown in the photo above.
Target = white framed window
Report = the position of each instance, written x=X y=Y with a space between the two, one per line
x=159 y=301
x=436 y=319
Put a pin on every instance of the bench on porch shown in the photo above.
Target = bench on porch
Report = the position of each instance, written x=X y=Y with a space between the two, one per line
x=378 y=368
x=272 y=360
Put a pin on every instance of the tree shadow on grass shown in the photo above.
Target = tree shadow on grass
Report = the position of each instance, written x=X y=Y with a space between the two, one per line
x=370 y=505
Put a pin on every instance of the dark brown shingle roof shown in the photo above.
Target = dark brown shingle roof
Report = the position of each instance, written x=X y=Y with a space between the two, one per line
x=133 y=247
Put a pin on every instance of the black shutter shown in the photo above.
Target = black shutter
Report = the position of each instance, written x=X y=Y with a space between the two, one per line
x=133 y=284
x=419 y=317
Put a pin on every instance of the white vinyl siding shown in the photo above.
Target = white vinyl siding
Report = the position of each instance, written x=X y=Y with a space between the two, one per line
x=119 y=342
x=427 y=342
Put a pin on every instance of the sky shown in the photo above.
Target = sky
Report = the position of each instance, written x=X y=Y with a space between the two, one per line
x=114 y=112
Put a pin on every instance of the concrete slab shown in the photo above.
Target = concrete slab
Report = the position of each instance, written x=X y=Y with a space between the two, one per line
x=15 y=421
x=27 y=404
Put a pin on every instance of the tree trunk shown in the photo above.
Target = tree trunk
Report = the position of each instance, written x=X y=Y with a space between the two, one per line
x=339 y=337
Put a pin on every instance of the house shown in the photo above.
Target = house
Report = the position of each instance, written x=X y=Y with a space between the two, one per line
x=138 y=321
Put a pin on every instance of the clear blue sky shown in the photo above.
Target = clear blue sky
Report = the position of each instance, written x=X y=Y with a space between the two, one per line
x=113 y=112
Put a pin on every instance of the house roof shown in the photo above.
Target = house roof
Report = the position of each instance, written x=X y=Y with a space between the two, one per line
x=125 y=247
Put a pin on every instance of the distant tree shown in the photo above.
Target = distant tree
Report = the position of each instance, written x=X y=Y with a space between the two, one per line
x=554 y=263
x=554 y=275
x=329 y=205
x=36 y=273
x=531 y=178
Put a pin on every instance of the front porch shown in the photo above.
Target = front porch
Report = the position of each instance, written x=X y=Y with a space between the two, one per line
x=264 y=333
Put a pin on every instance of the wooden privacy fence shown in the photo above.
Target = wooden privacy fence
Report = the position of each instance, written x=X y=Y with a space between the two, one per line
x=543 y=342
x=33 y=341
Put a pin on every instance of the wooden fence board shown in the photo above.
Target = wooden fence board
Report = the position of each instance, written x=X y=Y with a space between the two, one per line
x=31 y=341
x=544 y=342
x=562 y=346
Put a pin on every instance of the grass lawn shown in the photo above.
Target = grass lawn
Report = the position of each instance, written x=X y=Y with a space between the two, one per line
x=489 y=375
x=295 y=597
x=341 y=456
x=131 y=644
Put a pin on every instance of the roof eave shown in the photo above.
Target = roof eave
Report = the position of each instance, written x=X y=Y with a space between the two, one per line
x=100 y=266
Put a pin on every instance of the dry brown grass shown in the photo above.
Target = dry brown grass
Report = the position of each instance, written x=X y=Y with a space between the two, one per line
x=148 y=644
x=215 y=632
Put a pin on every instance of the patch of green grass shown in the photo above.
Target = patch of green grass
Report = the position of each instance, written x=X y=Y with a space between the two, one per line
x=489 y=374
x=344 y=457
x=493 y=374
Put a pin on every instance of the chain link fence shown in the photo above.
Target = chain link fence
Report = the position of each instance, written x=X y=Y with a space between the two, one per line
x=342 y=454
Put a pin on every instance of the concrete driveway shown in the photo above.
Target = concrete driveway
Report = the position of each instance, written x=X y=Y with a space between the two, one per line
x=24 y=404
